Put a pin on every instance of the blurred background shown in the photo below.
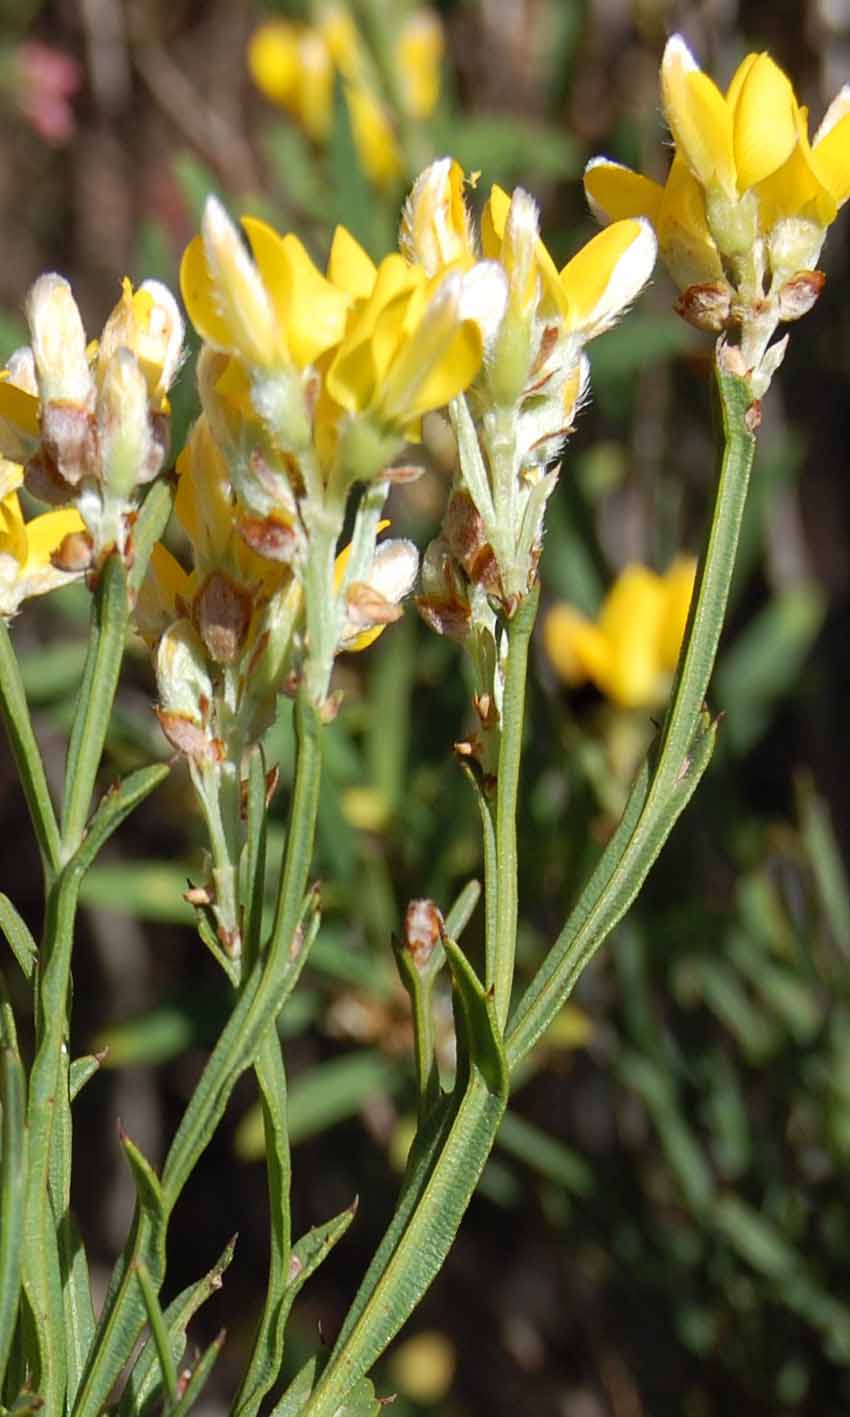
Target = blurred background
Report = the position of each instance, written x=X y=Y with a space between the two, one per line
x=664 y=1228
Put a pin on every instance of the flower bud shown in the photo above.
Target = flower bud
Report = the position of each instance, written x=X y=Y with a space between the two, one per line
x=443 y=602
x=186 y=693
x=435 y=227
x=59 y=343
x=147 y=322
x=129 y=454
x=222 y=613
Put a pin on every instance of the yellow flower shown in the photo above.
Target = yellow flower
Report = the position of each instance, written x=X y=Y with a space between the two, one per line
x=593 y=289
x=20 y=431
x=26 y=551
x=373 y=134
x=295 y=66
x=436 y=232
x=419 y=54
x=292 y=65
x=744 y=173
x=148 y=323
x=408 y=348
x=274 y=311
x=631 y=650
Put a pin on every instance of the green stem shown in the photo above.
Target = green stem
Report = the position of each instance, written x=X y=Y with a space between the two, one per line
x=263 y=994
x=505 y=905
x=324 y=525
x=110 y=615
x=22 y=741
x=261 y=999
x=680 y=757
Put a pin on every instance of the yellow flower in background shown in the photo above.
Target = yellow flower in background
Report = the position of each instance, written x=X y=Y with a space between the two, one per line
x=273 y=311
x=292 y=66
x=373 y=134
x=26 y=552
x=630 y=651
x=419 y=55
x=296 y=65
x=744 y=172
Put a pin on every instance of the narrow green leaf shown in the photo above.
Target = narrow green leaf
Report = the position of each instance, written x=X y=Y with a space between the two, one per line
x=479 y=1029
x=148 y=529
x=462 y=909
x=82 y=1071
x=295 y=1398
x=107 y=635
x=682 y=754
x=124 y=1311
x=159 y=1331
x=450 y=1175
x=13 y=1165
x=144 y=1379
x=198 y=1380
x=25 y=750
x=19 y=939
x=267 y=1352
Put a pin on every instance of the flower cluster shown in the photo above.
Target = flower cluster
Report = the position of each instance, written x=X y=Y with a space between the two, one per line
x=509 y=428
x=83 y=426
x=743 y=214
x=297 y=65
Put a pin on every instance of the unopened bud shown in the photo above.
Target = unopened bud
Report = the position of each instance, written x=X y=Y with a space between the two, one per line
x=435 y=228
x=366 y=606
x=185 y=691
x=443 y=604
x=222 y=612
x=74 y=553
x=128 y=454
x=69 y=440
x=423 y=929
x=59 y=343
x=706 y=307
x=270 y=537
x=149 y=324
x=799 y=294
x=463 y=529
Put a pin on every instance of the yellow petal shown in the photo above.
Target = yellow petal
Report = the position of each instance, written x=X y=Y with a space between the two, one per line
x=796 y=189
x=13 y=537
x=577 y=648
x=46 y=533
x=314 y=99
x=435 y=228
x=683 y=236
x=698 y=116
x=19 y=408
x=615 y=192
x=452 y=373
x=631 y=620
x=678 y=591
x=765 y=129
x=374 y=136
x=418 y=55
x=736 y=83
x=596 y=272
x=273 y=60
x=493 y=220
x=832 y=159
x=349 y=267
x=309 y=310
